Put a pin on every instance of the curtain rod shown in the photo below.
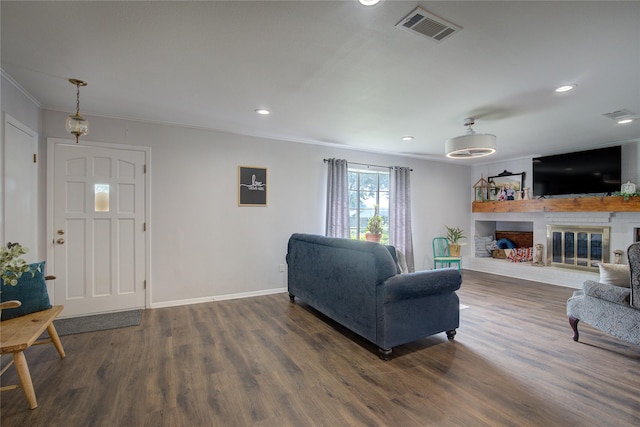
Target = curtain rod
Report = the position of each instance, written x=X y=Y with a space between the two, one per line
x=367 y=165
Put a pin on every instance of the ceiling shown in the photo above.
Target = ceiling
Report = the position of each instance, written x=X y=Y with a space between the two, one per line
x=338 y=72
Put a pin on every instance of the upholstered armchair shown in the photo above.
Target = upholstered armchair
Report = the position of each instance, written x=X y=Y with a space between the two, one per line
x=613 y=306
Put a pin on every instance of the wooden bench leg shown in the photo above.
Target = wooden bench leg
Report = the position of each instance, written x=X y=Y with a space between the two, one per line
x=20 y=363
x=53 y=334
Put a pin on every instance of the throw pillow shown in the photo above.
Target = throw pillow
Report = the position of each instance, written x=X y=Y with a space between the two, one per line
x=31 y=291
x=480 y=244
x=505 y=243
x=615 y=274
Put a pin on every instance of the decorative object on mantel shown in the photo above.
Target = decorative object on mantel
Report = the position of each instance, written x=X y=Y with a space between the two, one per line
x=76 y=124
x=538 y=259
x=628 y=188
x=481 y=190
x=617 y=256
x=507 y=185
x=525 y=193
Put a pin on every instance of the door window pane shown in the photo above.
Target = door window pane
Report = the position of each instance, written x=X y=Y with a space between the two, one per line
x=101 y=198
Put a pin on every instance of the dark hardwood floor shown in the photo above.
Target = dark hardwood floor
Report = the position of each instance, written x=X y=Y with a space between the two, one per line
x=264 y=361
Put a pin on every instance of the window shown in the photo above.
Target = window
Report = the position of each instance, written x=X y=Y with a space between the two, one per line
x=368 y=189
x=101 y=198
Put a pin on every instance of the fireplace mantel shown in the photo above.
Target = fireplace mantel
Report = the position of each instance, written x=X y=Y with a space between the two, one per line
x=576 y=204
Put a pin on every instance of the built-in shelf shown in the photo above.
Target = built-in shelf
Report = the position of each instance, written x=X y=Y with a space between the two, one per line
x=577 y=204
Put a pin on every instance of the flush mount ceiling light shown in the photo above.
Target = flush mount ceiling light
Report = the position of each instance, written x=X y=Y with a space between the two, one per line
x=262 y=111
x=566 y=88
x=471 y=144
x=76 y=124
x=407 y=138
x=368 y=2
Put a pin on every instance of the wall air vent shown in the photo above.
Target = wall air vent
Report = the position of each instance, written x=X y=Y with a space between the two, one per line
x=428 y=25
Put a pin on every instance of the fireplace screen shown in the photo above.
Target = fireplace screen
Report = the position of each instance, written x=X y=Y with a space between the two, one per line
x=577 y=247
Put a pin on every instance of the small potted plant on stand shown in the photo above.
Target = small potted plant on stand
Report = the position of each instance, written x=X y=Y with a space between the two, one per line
x=374 y=228
x=454 y=235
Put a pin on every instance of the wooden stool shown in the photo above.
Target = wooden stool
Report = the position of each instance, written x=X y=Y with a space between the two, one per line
x=20 y=333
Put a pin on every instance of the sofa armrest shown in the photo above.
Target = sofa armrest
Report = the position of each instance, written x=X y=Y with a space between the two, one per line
x=603 y=291
x=420 y=284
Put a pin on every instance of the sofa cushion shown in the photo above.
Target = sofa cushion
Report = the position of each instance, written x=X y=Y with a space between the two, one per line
x=615 y=274
x=607 y=292
x=31 y=291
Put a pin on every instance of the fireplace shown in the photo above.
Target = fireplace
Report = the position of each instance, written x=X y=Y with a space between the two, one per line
x=577 y=247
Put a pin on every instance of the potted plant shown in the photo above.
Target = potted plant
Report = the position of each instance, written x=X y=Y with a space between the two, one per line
x=454 y=235
x=374 y=228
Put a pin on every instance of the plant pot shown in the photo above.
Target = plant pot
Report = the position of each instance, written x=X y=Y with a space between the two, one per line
x=454 y=250
x=373 y=237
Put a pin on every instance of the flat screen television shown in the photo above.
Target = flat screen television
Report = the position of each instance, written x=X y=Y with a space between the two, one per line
x=582 y=172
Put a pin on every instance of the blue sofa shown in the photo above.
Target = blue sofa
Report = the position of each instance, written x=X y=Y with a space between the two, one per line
x=358 y=284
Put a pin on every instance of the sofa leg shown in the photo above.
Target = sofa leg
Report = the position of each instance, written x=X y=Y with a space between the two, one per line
x=574 y=325
x=292 y=297
x=385 y=354
x=451 y=334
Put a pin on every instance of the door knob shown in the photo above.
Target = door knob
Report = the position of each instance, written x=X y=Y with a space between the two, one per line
x=60 y=241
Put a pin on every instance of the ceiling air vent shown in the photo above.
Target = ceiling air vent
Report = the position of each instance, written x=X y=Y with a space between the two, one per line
x=428 y=25
x=621 y=115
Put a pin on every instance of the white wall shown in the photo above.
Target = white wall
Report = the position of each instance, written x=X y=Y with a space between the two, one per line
x=203 y=245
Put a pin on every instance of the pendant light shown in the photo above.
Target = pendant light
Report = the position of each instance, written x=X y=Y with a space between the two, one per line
x=471 y=144
x=76 y=124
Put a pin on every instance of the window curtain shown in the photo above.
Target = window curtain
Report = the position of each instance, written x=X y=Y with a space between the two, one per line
x=400 y=214
x=337 y=198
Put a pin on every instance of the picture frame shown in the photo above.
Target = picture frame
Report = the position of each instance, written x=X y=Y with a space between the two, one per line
x=252 y=186
x=636 y=234
x=506 y=185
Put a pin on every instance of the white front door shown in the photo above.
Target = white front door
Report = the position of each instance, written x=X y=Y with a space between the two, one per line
x=98 y=227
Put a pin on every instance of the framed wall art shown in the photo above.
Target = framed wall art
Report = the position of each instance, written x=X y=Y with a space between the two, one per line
x=636 y=234
x=252 y=186
x=506 y=186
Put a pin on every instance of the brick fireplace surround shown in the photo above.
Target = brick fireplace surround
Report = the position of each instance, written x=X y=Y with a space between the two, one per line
x=621 y=225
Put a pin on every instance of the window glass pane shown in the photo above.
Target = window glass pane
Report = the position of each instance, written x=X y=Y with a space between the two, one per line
x=101 y=197
x=384 y=182
x=353 y=181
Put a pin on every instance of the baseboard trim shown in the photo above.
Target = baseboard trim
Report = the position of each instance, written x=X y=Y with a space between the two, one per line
x=176 y=303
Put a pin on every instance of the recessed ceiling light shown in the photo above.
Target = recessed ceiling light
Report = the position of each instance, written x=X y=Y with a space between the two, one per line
x=624 y=121
x=407 y=138
x=369 y=2
x=566 y=88
x=262 y=111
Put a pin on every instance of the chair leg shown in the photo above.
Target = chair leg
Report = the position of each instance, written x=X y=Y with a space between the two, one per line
x=20 y=363
x=56 y=339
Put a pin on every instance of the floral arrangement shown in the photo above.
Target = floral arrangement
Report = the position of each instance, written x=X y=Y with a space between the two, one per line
x=12 y=265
